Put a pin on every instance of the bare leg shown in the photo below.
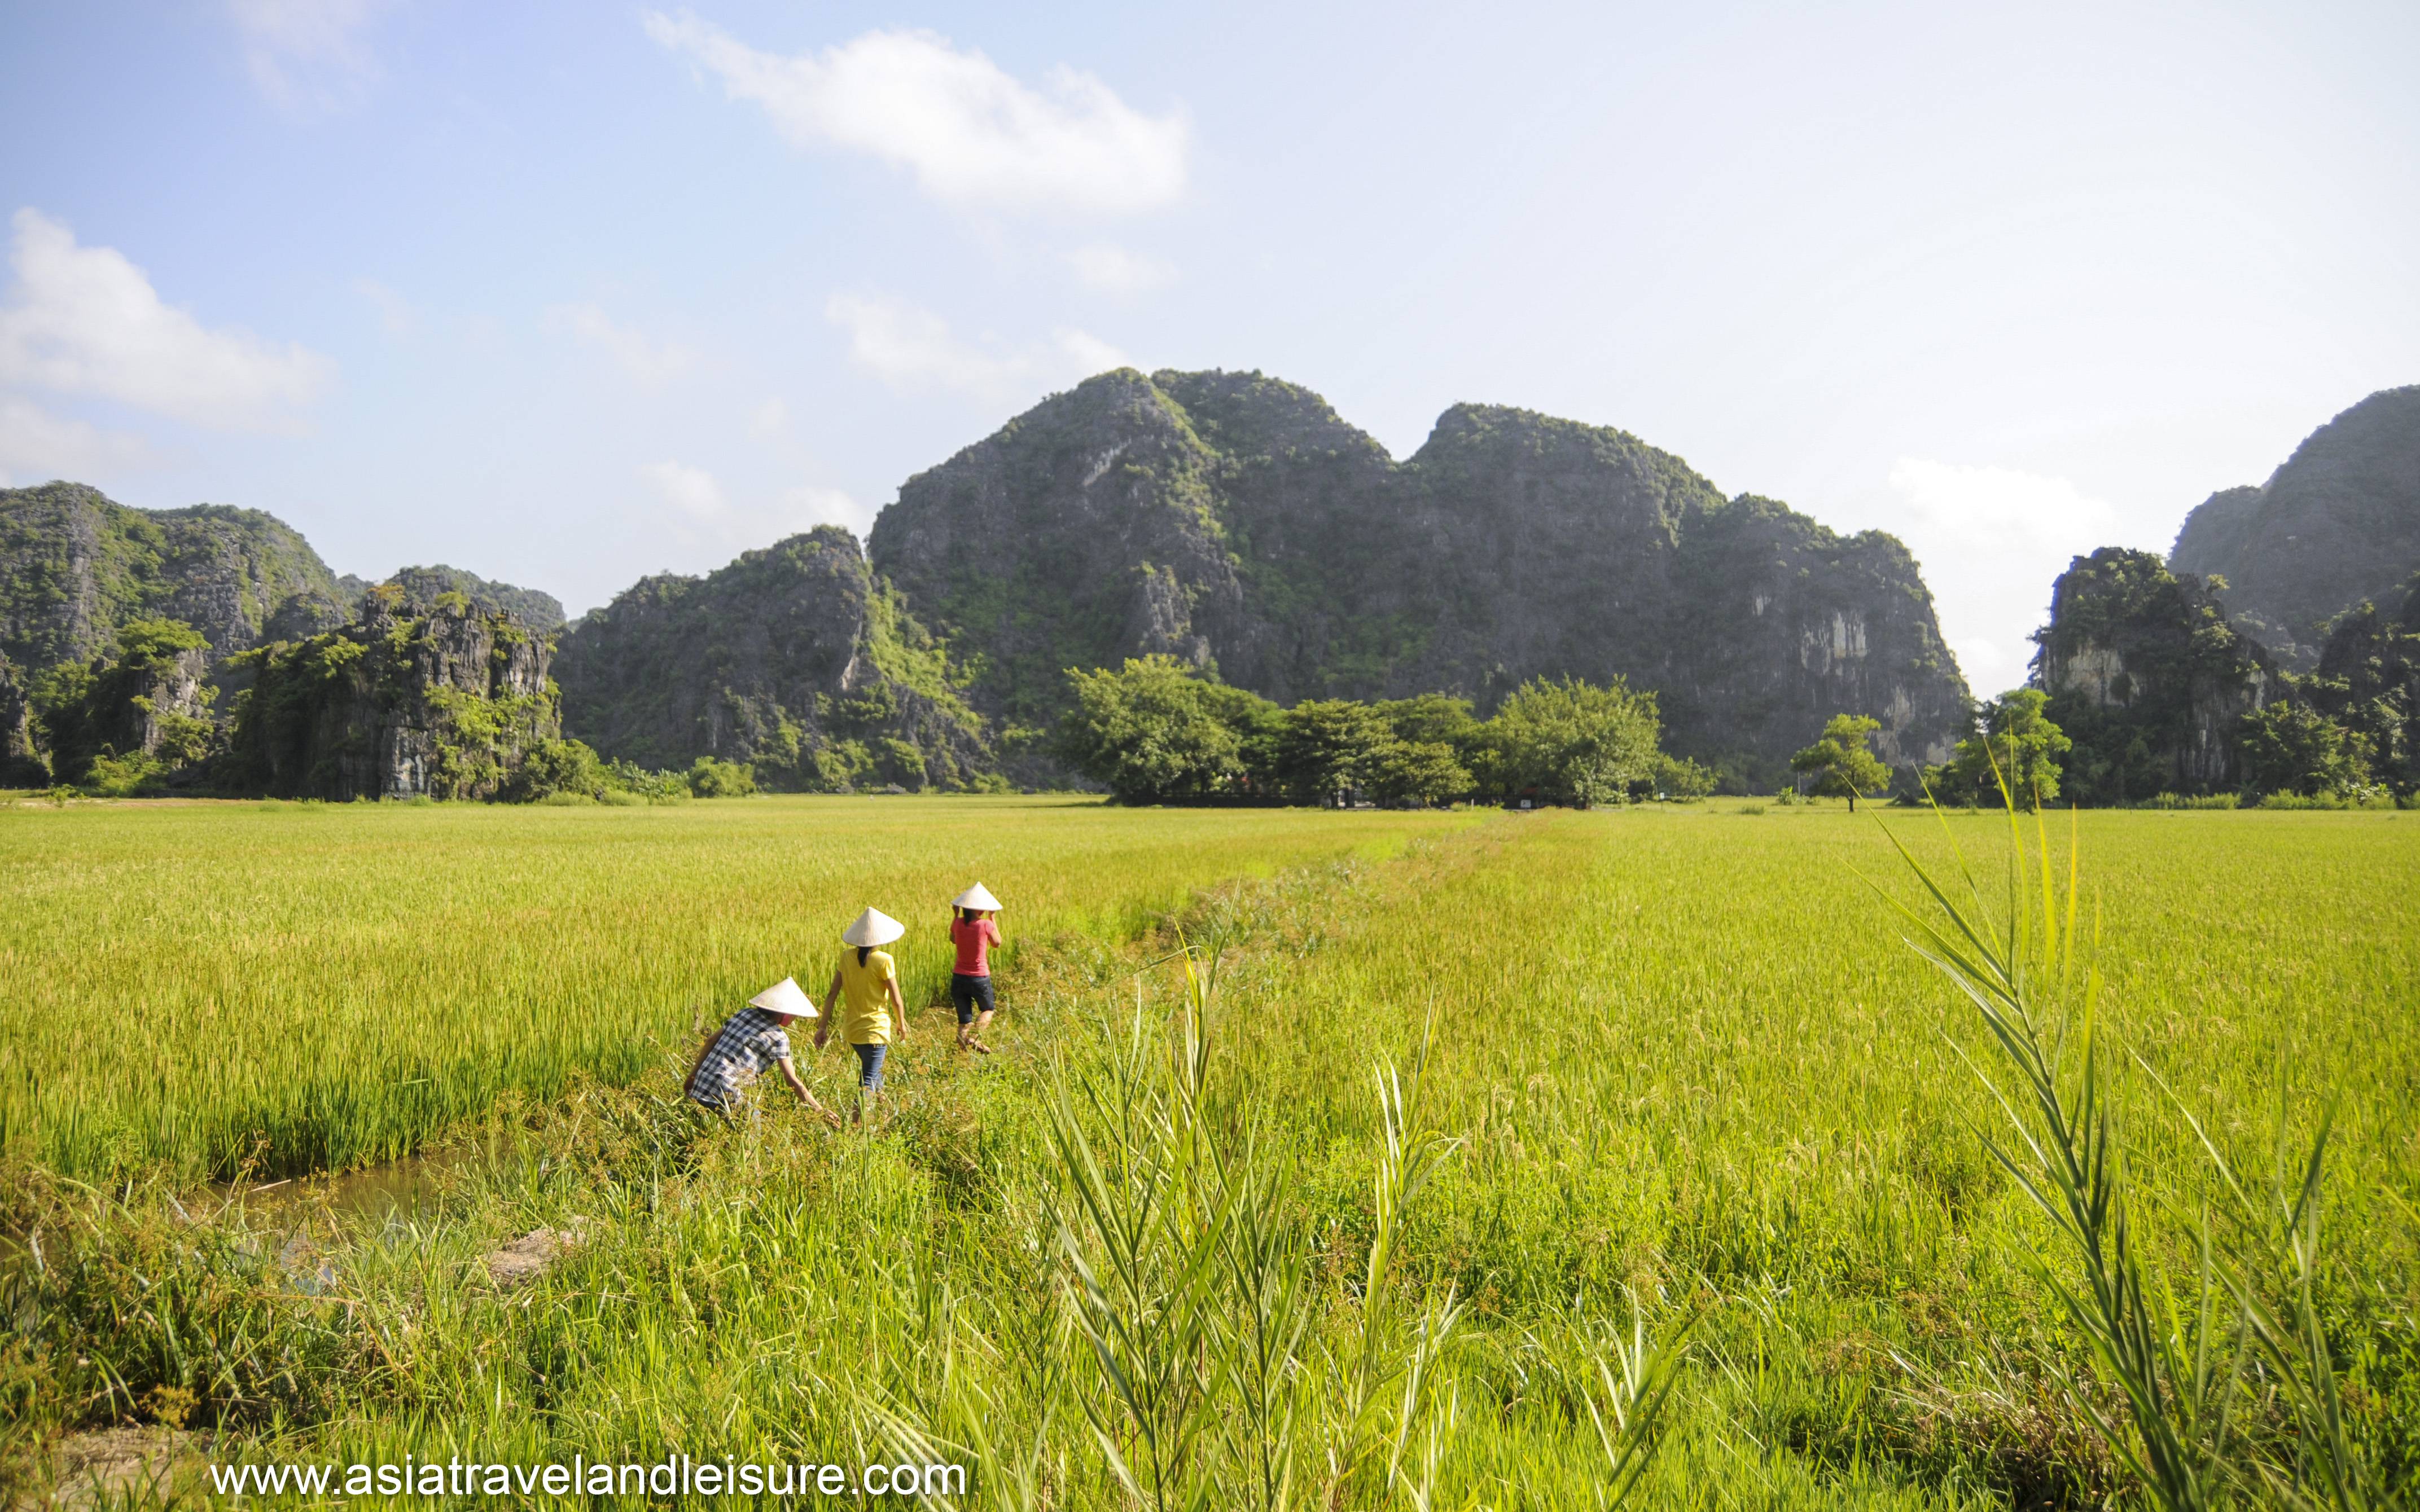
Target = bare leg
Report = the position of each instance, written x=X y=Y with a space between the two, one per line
x=972 y=1035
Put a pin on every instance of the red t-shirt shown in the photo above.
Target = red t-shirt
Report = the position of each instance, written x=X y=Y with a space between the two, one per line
x=974 y=942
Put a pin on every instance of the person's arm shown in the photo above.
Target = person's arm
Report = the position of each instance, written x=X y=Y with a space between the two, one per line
x=898 y=1006
x=790 y=1074
x=689 y=1083
x=831 y=1005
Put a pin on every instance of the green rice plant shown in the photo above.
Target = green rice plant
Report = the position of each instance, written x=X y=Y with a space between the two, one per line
x=2176 y=1356
x=326 y=986
x=1699 y=1094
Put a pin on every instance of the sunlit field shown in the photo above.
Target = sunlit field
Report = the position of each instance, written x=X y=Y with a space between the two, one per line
x=1229 y=1239
x=307 y=985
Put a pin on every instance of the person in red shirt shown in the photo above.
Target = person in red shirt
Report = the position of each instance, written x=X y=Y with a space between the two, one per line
x=973 y=932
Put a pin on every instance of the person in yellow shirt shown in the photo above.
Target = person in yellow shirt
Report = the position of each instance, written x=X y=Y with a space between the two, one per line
x=866 y=990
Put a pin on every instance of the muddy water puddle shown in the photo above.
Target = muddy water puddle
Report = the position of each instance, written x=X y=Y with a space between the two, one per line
x=418 y=1189
x=407 y=1190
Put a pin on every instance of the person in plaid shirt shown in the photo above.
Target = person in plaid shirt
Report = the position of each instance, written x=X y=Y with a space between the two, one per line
x=751 y=1039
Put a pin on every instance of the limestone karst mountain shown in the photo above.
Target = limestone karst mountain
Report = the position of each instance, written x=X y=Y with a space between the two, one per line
x=1236 y=521
x=1229 y=519
x=74 y=566
x=2336 y=524
x=790 y=658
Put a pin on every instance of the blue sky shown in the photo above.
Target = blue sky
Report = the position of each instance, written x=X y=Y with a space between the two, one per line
x=568 y=293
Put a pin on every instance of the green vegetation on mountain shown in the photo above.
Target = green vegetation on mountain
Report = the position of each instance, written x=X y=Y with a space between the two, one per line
x=540 y=611
x=132 y=717
x=2149 y=676
x=413 y=700
x=2368 y=681
x=2338 y=524
x=2167 y=696
x=1234 y=522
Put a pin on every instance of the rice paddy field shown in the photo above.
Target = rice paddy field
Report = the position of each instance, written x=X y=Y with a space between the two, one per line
x=1328 y=1160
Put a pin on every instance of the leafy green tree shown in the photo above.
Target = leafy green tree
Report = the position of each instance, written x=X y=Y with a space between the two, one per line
x=1566 y=741
x=2016 y=737
x=2293 y=747
x=553 y=766
x=1437 y=719
x=1258 y=724
x=710 y=779
x=1416 y=773
x=1839 y=763
x=1149 y=732
x=1682 y=780
x=1328 y=748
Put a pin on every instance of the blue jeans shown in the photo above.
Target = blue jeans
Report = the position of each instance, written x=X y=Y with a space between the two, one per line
x=869 y=1065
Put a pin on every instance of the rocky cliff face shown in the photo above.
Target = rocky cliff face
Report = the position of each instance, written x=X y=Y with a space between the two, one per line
x=2147 y=677
x=2339 y=523
x=74 y=566
x=411 y=699
x=1236 y=521
x=789 y=659
x=22 y=762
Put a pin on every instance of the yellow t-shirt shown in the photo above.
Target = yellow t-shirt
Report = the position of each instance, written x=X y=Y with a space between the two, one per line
x=865 y=997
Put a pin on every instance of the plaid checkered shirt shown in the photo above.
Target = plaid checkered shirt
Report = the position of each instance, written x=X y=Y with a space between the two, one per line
x=742 y=1048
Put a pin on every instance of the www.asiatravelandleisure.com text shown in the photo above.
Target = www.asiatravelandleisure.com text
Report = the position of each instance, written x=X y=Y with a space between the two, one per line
x=677 y=1475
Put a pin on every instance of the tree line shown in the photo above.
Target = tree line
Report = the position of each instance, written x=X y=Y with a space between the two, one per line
x=1158 y=731
x=2288 y=753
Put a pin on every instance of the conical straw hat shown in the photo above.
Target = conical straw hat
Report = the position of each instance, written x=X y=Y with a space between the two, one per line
x=873 y=927
x=977 y=896
x=785 y=996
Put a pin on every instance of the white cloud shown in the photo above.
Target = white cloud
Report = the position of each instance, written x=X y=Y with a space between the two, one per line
x=394 y=311
x=1113 y=270
x=650 y=364
x=693 y=491
x=37 y=446
x=910 y=348
x=769 y=419
x=702 y=511
x=973 y=134
x=1992 y=540
x=808 y=505
x=85 y=320
x=308 y=54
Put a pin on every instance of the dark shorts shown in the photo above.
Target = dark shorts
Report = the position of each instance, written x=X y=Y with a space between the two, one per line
x=972 y=994
x=869 y=1065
